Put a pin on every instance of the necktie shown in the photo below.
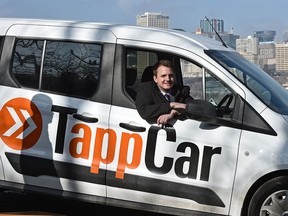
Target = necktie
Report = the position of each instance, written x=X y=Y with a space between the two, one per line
x=167 y=96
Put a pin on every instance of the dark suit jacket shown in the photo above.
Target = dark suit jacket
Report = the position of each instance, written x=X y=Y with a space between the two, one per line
x=151 y=103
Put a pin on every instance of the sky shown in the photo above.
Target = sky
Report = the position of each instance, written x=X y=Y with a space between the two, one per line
x=244 y=16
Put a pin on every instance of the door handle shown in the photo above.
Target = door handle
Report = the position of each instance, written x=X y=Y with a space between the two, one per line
x=85 y=118
x=132 y=127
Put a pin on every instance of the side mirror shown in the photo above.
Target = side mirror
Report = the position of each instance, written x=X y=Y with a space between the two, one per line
x=201 y=110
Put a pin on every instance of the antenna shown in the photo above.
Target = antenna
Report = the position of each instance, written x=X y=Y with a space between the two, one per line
x=223 y=43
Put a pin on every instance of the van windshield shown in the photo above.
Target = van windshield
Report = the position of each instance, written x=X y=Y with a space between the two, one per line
x=259 y=82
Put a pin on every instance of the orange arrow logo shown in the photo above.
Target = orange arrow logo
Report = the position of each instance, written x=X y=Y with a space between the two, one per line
x=20 y=123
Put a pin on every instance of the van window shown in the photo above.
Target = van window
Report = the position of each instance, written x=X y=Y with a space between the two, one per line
x=138 y=69
x=267 y=89
x=71 y=68
x=67 y=68
x=27 y=62
x=204 y=85
x=142 y=62
x=192 y=76
x=1 y=44
x=139 y=60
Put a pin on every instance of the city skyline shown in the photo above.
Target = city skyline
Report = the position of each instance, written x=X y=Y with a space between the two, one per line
x=261 y=49
x=243 y=17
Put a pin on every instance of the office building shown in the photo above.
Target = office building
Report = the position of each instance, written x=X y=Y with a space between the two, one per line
x=206 y=29
x=248 y=47
x=153 y=20
x=206 y=26
x=267 y=57
x=281 y=54
x=266 y=51
x=265 y=36
x=285 y=37
x=229 y=39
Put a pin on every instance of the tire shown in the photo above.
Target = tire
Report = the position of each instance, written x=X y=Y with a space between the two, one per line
x=271 y=199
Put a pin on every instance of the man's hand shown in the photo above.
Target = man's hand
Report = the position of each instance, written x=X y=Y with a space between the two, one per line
x=176 y=105
x=163 y=119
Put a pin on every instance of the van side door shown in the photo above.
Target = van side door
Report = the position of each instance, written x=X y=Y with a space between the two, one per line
x=57 y=87
x=186 y=166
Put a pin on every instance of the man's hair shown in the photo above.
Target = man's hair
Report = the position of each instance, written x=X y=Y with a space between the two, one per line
x=163 y=62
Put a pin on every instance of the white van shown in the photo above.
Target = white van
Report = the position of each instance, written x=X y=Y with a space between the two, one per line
x=69 y=126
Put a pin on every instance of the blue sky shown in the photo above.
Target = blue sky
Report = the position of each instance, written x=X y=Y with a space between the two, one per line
x=244 y=16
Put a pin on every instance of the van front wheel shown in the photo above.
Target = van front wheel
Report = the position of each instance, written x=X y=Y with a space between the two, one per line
x=270 y=199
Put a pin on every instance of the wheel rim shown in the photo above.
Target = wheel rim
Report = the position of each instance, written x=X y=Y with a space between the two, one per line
x=276 y=204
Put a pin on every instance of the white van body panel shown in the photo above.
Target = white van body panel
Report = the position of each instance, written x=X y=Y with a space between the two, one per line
x=46 y=146
x=56 y=32
x=168 y=149
x=264 y=154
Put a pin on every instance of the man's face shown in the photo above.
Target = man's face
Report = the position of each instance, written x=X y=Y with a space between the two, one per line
x=164 y=78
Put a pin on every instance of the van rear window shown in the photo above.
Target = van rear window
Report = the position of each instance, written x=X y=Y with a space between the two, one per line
x=68 y=68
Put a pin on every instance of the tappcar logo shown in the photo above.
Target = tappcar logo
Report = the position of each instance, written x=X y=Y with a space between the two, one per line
x=21 y=127
x=20 y=123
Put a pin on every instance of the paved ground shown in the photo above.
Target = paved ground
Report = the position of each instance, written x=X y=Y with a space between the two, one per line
x=12 y=203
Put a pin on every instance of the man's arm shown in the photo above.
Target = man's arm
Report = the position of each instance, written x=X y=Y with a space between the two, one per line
x=163 y=119
x=148 y=102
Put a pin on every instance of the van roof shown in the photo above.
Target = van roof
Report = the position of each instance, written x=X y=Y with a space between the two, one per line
x=122 y=31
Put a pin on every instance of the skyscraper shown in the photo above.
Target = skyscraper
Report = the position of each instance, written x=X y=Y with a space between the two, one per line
x=248 y=48
x=153 y=20
x=217 y=24
x=281 y=54
x=265 y=36
x=285 y=36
